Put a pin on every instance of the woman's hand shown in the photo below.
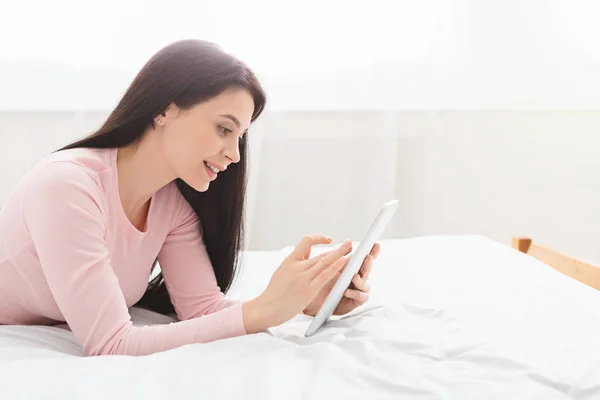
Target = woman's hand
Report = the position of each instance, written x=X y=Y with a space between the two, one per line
x=356 y=295
x=294 y=284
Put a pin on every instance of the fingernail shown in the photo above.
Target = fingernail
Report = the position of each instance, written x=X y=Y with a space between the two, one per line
x=329 y=239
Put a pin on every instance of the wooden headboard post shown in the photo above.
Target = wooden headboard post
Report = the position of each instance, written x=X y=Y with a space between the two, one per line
x=521 y=243
x=586 y=273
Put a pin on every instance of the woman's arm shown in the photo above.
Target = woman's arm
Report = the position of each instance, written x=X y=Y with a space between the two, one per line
x=187 y=269
x=64 y=212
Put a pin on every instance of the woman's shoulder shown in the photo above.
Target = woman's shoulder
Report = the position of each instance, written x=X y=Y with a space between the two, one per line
x=63 y=172
x=66 y=180
x=79 y=166
x=95 y=161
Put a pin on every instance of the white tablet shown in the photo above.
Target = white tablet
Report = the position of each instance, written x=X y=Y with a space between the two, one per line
x=356 y=259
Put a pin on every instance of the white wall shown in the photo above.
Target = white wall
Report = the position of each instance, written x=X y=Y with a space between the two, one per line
x=497 y=173
x=334 y=54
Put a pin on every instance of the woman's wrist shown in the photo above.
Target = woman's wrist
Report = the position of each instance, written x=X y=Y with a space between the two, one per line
x=256 y=316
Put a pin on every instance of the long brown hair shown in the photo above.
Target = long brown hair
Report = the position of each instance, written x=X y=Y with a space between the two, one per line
x=186 y=73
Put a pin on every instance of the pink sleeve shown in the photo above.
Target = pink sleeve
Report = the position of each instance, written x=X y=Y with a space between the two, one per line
x=188 y=272
x=65 y=215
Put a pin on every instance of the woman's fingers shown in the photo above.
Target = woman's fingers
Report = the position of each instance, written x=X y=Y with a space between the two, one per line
x=334 y=256
x=356 y=295
x=309 y=263
x=361 y=283
x=329 y=265
x=366 y=267
x=327 y=274
x=303 y=248
x=368 y=271
x=375 y=250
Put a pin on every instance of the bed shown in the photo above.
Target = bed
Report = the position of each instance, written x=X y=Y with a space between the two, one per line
x=450 y=317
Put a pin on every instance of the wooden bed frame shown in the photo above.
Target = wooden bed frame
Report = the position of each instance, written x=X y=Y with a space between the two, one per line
x=577 y=269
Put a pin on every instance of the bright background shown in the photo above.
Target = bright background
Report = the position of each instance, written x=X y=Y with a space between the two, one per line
x=479 y=116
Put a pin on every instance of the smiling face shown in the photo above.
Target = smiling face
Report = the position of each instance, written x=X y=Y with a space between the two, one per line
x=200 y=141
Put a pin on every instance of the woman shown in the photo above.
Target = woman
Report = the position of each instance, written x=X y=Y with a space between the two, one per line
x=81 y=232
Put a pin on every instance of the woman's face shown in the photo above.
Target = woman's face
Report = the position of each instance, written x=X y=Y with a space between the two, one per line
x=203 y=140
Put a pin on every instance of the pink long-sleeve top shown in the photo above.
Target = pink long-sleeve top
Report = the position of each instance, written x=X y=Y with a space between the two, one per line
x=68 y=253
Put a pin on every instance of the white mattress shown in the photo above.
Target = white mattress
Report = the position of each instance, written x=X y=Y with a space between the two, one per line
x=451 y=317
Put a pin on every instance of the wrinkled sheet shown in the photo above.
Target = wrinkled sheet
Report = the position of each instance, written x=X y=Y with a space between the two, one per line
x=450 y=317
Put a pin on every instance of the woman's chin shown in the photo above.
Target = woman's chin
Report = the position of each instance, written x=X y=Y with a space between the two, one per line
x=199 y=185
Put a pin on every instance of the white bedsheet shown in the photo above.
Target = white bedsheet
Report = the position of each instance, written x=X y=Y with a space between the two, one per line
x=451 y=317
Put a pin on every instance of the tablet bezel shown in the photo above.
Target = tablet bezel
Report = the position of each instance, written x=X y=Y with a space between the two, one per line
x=363 y=249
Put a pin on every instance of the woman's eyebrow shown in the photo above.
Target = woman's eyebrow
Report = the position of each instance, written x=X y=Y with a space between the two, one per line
x=234 y=119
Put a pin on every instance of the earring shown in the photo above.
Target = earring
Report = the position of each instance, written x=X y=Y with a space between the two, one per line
x=158 y=121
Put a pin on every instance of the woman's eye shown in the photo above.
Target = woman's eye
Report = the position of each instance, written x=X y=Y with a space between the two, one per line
x=224 y=131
